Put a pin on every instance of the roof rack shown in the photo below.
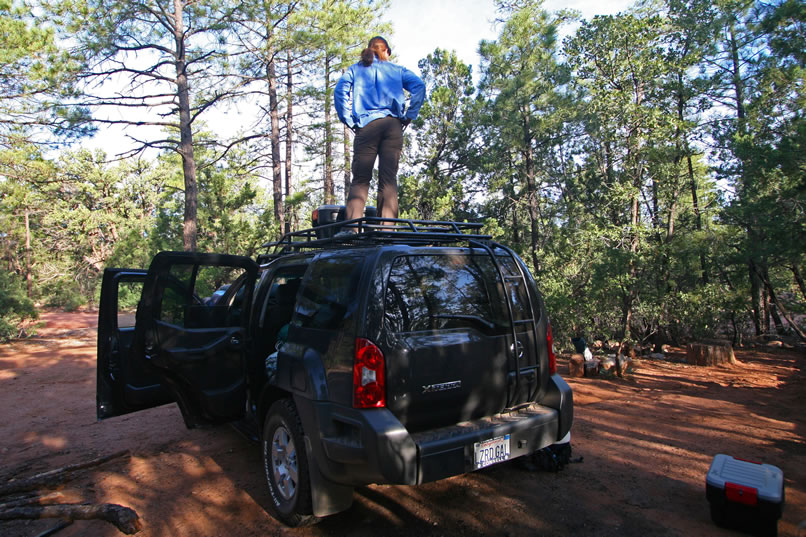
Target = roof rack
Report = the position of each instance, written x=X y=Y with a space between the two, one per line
x=374 y=230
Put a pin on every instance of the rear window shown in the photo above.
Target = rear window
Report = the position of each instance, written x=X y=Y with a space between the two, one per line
x=440 y=292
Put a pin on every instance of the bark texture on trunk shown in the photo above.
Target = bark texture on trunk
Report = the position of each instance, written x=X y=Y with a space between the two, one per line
x=708 y=355
x=28 y=278
x=274 y=113
x=330 y=194
x=190 y=224
x=289 y=134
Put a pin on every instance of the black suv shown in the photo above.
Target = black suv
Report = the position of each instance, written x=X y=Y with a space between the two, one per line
x=408 y=352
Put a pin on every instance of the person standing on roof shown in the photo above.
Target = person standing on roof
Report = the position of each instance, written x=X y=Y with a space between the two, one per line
x=378 y=117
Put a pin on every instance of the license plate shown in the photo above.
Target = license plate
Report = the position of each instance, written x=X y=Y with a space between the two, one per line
x=491 y=452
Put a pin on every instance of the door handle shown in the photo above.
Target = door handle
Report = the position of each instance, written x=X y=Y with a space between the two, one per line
x=235 y=341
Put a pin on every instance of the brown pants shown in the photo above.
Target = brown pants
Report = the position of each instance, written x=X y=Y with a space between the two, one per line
x=381 y=139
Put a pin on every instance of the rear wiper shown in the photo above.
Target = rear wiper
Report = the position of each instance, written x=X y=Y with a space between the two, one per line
x=484 y=322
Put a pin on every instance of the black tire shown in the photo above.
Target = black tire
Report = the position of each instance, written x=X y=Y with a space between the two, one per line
x=285 y=465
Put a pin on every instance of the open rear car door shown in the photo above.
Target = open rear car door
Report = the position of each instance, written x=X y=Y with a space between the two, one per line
x=189 y=341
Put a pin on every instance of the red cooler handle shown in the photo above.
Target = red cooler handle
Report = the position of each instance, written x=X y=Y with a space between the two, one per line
x=741 y=494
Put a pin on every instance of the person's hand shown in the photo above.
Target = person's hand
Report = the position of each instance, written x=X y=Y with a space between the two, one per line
x=405 y=122
x=356 y=129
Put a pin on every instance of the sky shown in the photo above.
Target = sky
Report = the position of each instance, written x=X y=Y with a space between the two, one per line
x=420 y=26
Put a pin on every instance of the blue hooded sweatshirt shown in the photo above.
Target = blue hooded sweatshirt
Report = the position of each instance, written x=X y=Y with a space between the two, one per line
x=377 y=91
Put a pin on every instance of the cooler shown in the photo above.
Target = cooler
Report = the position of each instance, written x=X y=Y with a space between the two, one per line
x=745 y=494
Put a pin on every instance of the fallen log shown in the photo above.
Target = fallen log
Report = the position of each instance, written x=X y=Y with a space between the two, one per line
x=53 y=477
x=123 y=518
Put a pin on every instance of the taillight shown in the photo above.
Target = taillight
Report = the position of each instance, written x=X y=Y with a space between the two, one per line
x=550 y=344
x=369 y=375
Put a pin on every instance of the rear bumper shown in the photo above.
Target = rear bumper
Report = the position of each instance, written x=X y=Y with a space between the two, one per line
x=372 y=446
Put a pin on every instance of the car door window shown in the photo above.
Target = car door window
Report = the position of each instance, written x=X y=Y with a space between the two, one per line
x=128 y=297
x=189 y=296
x=277 y=306
x=329 y=293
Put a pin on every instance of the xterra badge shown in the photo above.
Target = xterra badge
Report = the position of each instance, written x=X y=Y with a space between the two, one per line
x=442 y=387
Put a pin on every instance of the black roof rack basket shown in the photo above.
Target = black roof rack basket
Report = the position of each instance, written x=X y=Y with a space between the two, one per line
x=373 y=230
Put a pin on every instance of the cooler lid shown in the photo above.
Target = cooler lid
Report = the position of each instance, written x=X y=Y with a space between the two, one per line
x=767 y=479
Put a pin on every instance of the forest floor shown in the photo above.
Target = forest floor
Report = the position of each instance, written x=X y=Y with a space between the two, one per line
x=647 y=442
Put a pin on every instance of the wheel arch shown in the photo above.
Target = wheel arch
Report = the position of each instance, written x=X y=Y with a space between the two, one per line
x=268 y=397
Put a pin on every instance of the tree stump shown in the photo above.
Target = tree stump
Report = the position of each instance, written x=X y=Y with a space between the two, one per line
x=709 y=354
x=576 y=366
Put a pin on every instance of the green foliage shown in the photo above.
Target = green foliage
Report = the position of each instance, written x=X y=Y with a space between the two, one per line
x=651 y=169
x=38 y=89
x=65 y=294
x=15 y=306
x=443 y=150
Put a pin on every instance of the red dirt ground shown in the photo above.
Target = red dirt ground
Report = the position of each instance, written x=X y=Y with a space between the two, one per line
x=647 y=443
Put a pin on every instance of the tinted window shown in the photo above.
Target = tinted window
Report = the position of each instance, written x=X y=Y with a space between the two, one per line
x=128 y=298
x=329 y=292
x=281 y=296
x=440 y=292
x=516 y=288
x=187 y=291
x=176 y=294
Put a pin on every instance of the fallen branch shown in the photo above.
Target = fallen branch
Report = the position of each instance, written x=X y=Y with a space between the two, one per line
x=125 y=519
x=47 y=499
x=55 y=529
x=53 y=477
x=13 y=473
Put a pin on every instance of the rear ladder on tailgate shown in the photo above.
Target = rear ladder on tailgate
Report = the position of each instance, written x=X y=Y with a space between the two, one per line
x=506 y=281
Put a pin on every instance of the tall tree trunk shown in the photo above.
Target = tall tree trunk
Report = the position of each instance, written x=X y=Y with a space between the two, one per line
x=764 y=277
x=757 y=304
x=276 y=165
x=631 y=292
x=637 y=168
x=686 y=150
x=696 y=205
x=738 y=83
x=190 y=225
x=757 y=289
x=772 y=305
x=532 y=196
x=799 y=280
x=289 y=134
x=28 y=279
x=516 y=233
x=330 y=194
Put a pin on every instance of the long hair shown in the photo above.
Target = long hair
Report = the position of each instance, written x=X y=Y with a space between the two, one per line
x=368 y=54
